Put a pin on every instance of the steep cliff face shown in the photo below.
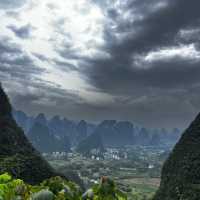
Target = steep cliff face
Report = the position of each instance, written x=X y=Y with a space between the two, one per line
x=181 y=171
x=17 y=155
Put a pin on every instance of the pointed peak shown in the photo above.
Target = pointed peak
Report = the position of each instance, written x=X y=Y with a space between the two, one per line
x=56 y=119
x=82 y=122
x=41 y=118
x=196 y=120
x=41 y=115
x=5 y=107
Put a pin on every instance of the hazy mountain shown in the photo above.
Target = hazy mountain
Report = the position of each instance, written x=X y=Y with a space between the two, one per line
x=91 y=128
x=180 y=174
x=61 y=132
x=70 y=130
x=18 y=156
x=113 y=133
x=56 y=126
x=124 y=133
x=156 y=140
x=143 y=137
x=81 y=131
x=107 y=133
x=120 y=134
x=41 y=119
x=23 y=120
x=93 y=141
x=44 y=141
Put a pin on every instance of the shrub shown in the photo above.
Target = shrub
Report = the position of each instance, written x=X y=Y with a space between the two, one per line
x=57 y=188
x=43 y=195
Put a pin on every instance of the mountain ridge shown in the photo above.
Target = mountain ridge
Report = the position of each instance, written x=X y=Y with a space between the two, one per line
x=17 y=155
x=180 y=177
x=113 y=133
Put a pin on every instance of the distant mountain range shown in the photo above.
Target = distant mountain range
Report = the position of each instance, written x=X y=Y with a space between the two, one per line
x=180 y=178
x=114 y=134
x=55 y=134
x=59 y=134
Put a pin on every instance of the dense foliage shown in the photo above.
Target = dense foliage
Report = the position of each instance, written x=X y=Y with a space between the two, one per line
x=56 y=188
x=17 y=155
x=180 y=174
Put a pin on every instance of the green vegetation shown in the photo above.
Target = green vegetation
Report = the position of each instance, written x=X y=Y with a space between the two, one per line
x=132 y=176
x=180 y=177
x=57 y=188
x=17 y=155
x=138 y=174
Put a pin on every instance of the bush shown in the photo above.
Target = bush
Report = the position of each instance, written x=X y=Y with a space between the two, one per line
x=43 y=195
x=56 y=188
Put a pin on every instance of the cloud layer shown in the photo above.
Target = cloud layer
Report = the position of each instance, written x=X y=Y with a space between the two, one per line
x=100 y=59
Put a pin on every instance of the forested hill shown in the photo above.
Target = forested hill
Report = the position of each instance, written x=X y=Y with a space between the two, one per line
x=181 y=172
x=17 y=155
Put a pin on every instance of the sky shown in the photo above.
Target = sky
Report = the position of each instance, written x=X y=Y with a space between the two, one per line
x=136 y=60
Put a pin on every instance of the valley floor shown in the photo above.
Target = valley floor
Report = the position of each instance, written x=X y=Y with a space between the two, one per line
x=140 y=178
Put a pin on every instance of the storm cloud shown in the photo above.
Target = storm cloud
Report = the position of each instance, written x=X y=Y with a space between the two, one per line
x=23 y=32
x=10 y=4
x=154 y=31
x=124 y=59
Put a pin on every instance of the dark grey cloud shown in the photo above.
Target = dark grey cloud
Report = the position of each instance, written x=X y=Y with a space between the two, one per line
x=148 y=28
x=16 y=63
x=18 y=72
x=22 y=32
x=160 y=91
x=5 y=46
x=152 y=31
x=10 y=4
x=65 y=66
x=41 y=96
x=20 y=76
